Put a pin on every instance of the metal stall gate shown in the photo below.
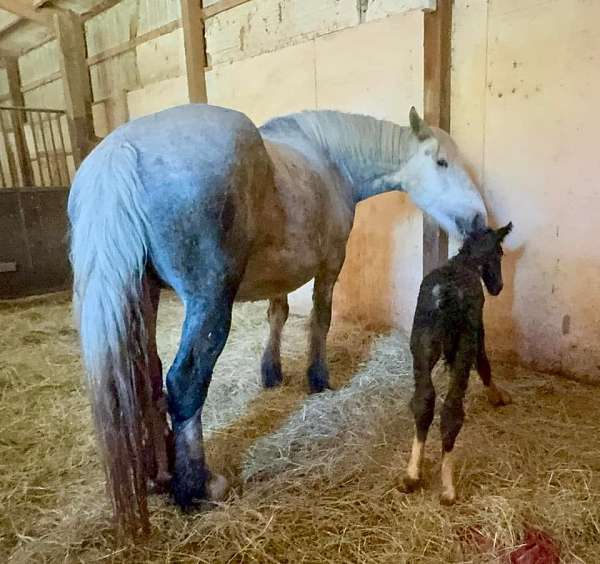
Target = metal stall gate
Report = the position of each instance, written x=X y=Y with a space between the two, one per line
x=36 y=168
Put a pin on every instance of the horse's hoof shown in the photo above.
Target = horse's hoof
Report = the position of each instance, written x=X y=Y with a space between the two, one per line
x=409 y=484
x=318 y=378
x=317 y=388
x=447 y=498
x=271 y=374
x=497 y=396
x=160 y=485
x=217 y=488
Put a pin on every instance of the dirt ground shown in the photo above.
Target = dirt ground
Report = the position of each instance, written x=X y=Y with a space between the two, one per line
x=314 y=479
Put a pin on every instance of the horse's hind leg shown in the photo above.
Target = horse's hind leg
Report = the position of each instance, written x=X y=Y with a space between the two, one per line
x=159 y=435
x=320 y=320
x=496 y=395
x=205 y=331
x=426 y=352
x=271 y=361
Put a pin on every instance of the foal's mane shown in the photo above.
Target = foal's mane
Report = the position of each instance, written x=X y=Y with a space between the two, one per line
x=362 y=144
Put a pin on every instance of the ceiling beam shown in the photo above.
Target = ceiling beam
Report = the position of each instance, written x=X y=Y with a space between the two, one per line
x=4 y=54
x=43 y=16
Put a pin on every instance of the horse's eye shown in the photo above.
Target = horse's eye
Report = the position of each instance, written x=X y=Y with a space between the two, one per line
x=443 y=163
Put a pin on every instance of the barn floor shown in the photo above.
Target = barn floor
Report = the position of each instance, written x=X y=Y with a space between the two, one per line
x=313 y=477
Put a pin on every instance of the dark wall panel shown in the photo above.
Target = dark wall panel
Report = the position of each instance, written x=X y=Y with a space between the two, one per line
x=34 y=228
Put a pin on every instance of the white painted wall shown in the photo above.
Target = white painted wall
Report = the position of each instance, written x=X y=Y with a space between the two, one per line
x=524 y=110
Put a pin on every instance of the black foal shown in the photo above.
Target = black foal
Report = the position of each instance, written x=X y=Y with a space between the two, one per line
x=449 y=321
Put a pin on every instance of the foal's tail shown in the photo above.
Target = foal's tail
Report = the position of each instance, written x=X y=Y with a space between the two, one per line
x=109 y=247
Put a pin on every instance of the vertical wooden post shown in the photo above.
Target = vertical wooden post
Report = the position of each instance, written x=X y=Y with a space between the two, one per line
x=436 y=87
x=18 y=121
x=195 y=49
x=70 y=37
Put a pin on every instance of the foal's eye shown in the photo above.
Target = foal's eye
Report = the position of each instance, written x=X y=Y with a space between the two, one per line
x=443 y=163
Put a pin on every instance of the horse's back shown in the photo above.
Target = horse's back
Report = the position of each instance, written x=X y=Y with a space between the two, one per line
x=202 y=172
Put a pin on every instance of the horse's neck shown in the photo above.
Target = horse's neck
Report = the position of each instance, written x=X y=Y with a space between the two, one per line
x=367 y=151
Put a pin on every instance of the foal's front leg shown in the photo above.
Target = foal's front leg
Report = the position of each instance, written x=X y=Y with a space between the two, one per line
x=270 y=367
x=318 y=373
x=496 y=395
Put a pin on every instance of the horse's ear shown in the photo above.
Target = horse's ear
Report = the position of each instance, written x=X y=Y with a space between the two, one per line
x=418 y=126
x=478 y=223
x=464 y=227
x=504 y=231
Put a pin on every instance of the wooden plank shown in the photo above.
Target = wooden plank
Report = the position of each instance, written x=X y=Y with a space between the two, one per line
x=221 y=6
x=21 y=8
x=133 y=43
x=195 y=49
x=10 y=26
x=41 y=82
x=18 y=122
x=436 y=88
x=98 y=9
x=70 y=37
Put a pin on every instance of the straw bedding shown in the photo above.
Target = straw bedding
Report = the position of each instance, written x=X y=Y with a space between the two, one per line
x=313 y=478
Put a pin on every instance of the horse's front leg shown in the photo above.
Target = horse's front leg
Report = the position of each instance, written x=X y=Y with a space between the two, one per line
x=318 y=373
x=270 y=367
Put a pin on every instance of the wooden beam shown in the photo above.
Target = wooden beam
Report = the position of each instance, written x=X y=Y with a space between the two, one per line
x=70 y=37
x=436 y=88
x=4 y=54
x=221 y=6
x=20 y=8
x=98 y=9
x=11 y=26
x=132 y=43
x=41 y=82
x=195 y=50
x=17 y=121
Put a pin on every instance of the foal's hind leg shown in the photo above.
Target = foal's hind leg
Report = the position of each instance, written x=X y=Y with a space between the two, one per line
x=453 y=414
x=426 y=352
x=271 y=361
x=496 y=395
x=205 y=331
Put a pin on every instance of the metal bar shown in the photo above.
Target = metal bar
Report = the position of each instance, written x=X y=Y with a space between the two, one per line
x=50 y=173
x=12 y=166
x=35 y=146
x=54 y=152
x=26 y=109
x=39 y=116
x=64 y=148
x=2 y=175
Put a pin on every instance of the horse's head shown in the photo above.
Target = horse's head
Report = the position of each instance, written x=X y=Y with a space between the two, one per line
x=436 y=179
x=483 y=249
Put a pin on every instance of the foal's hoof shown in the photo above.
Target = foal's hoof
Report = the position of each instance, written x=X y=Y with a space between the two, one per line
x=217 y=487
x=271 y=374
x=409 y=485
x=497 y=396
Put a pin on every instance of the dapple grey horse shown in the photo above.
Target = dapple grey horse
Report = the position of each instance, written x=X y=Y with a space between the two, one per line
x=198 y=199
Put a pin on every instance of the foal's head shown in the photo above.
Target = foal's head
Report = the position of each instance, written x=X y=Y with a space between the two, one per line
x=483 y=249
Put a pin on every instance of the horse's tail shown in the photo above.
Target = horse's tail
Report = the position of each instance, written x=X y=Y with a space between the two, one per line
x=109 y=247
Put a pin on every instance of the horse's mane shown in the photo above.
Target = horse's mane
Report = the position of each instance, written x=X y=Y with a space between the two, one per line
x=350 y=139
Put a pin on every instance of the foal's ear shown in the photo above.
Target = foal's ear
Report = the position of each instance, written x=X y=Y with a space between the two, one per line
x=504 y=231
x=418 y=125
